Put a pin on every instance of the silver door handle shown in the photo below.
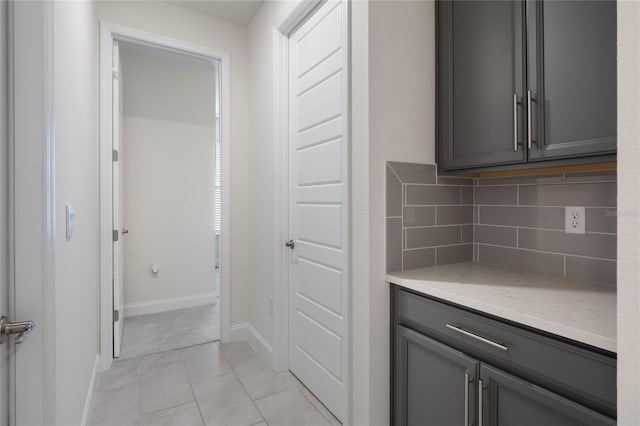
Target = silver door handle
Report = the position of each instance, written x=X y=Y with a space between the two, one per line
x=291 y=244
x=125 y=231
x=479 y=402
x=477 y=337
x=18 y=328
x=515 y=122
x=466 y=398
x=529 y=119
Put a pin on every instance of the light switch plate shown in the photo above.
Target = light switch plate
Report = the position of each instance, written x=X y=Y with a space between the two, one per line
x=574 y=220
x=71 y=219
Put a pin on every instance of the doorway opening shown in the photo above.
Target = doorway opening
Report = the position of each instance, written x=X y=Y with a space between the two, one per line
x=164 y=185
x=164 y=188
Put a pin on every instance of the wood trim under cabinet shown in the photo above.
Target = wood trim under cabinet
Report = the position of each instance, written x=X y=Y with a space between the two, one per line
x=613 y=165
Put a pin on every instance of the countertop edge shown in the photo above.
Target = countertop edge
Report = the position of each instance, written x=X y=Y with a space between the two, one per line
x=561 y=330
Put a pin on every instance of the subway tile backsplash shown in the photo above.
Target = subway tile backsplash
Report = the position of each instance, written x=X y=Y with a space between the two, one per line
x=431 y=216
x=515 y=222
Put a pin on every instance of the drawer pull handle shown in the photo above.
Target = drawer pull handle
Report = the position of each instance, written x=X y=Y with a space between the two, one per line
x=480 y=403
x=466 y=398
x=515 y=123
x=529 y=139
x=480 y=338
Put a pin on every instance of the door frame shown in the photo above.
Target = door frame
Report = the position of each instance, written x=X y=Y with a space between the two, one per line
x=108 y=33
x=292 y=18
x=296 y=14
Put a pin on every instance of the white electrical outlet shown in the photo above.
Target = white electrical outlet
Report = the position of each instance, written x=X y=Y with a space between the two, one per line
x=574 y=220
x=270 y=306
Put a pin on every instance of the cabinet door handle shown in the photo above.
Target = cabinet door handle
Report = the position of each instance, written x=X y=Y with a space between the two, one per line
x=466 y=398
x=515 y=122
x=479 y=402
x=475 y=336
x=529 y=119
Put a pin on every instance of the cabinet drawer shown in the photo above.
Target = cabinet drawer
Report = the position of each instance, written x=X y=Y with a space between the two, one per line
x=580 y=374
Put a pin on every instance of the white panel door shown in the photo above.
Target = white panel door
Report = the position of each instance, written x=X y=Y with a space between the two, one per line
x=319 y=209
x=118 y=203
x=32 y=224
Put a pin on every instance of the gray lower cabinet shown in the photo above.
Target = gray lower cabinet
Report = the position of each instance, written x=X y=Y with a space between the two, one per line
x=455 y=367
x=525 y=83
x=434 y=382
x=507 y=400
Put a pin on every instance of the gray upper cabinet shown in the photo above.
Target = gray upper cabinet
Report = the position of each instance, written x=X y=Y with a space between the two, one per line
x=572 y=78
x=481 y=81
x=520 y=82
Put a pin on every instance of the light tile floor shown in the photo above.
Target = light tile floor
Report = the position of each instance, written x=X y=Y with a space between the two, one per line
x=148 y=334
x=209 y=384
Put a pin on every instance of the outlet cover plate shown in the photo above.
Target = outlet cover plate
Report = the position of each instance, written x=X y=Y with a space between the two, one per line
x=574 y=220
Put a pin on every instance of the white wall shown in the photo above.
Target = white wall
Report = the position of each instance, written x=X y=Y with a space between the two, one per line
x=261 y=184
x=76 y=265
x=182 y=24
x=360 y=362
x=402 y=128
x=628 y=213
x=168 y=157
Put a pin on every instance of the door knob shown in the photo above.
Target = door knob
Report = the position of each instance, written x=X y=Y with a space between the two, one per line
x=18 y=328
x=291 y=244
x=125 y=231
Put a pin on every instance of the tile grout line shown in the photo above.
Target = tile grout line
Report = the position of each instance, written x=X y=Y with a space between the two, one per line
x=394 y=173
x=402 y=238
x=253 y=402
x=311 y=402
x=536 y=228
x=437 y=246
x=541 y=206
x=442 y=225
x=551 y=252
x=197 y=403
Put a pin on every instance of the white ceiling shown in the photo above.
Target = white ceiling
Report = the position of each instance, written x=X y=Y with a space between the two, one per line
x=239 y=12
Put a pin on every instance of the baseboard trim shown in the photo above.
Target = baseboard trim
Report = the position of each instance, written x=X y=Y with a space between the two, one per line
x=261 y=346
x=88 y=403
x=164 y=305
x=238 y=332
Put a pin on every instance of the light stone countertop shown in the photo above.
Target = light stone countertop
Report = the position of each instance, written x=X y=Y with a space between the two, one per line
x=576 y=310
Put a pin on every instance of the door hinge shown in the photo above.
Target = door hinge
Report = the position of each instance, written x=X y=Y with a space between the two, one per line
x=115 y=74
x=115 y=155
x=116 y=315
x=115 y=235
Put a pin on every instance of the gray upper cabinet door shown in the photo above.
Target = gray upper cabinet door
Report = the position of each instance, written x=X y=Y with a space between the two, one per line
x=480 y=83
x=435 y=384
x=507 y=400
x=572 y=78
